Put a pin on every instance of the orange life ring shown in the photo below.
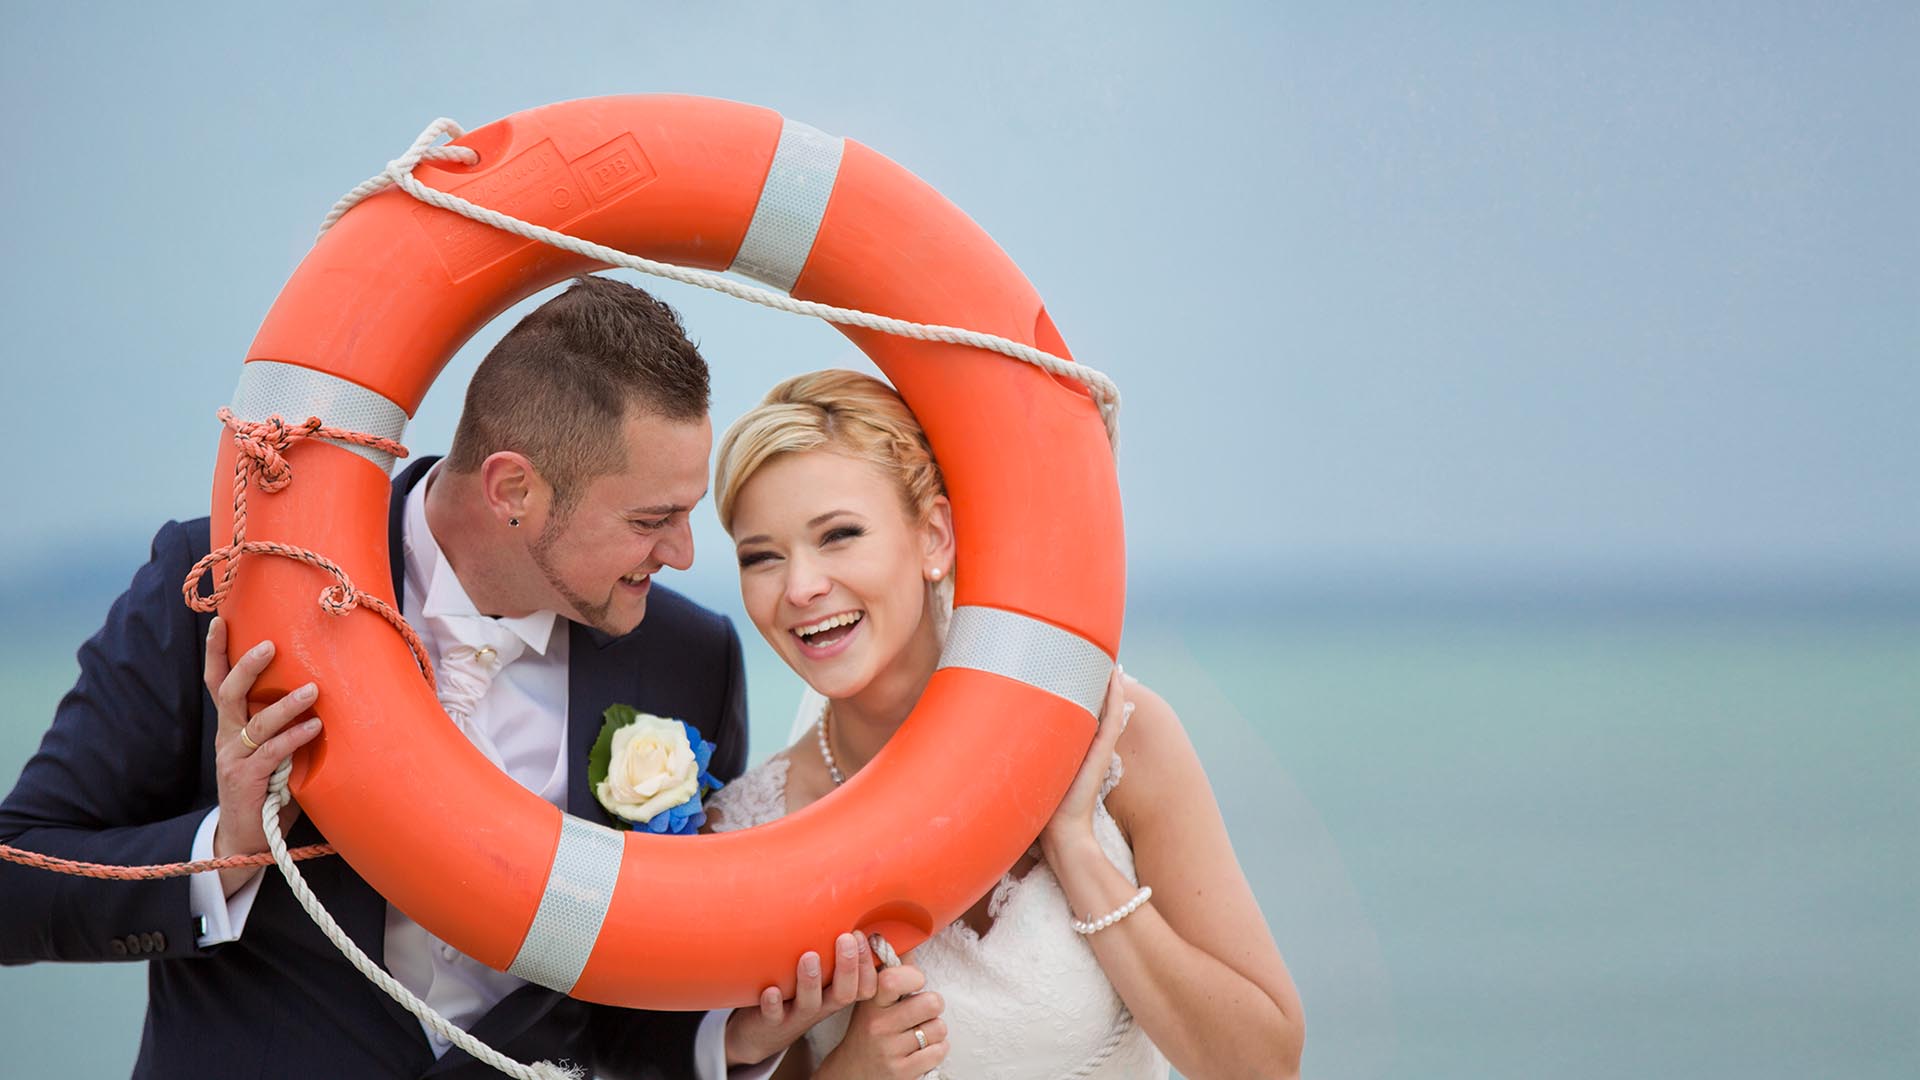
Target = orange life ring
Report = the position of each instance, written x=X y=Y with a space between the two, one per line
x=378 y=307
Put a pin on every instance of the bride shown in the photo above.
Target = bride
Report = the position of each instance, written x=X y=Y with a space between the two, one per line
x=845 y=542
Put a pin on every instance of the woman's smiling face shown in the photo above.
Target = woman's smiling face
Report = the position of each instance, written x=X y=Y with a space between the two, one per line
x=833 y=567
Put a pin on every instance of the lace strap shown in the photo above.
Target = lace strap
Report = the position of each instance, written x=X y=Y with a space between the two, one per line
x=1115 y=771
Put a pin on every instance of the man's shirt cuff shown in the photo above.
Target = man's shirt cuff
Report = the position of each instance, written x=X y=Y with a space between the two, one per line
x=710 y=1052
x=220 y=918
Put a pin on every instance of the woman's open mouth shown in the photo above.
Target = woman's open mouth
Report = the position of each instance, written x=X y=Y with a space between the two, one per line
x=828 y=636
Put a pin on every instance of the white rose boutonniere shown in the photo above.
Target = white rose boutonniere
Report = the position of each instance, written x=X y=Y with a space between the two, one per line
x=650 y=772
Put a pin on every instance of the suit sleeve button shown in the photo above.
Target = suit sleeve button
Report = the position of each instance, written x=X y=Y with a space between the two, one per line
x=159 y=941
x=133 y=943
x=117 y=947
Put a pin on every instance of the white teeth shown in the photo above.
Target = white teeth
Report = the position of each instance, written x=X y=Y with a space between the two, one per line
x=847 y=618
x=636 y=579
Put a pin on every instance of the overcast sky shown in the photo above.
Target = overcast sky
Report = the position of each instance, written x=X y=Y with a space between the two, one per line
x=1395 y=295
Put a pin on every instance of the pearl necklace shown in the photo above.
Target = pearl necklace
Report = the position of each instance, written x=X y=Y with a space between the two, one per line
x=826 y=752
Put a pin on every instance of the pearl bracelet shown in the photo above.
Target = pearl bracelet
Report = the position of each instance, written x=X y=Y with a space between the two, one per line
x=1114 y=916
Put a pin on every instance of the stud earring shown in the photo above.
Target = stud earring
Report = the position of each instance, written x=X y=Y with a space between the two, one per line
x=936 y=574
x=513 y=522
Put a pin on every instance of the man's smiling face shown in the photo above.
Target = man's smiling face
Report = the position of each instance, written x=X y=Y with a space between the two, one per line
x=598 y=557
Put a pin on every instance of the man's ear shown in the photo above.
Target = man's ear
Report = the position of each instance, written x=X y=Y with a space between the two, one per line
x=514 y=489
x=936 y=527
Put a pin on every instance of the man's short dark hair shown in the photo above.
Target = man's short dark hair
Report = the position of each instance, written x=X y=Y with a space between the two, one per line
x=558 y=386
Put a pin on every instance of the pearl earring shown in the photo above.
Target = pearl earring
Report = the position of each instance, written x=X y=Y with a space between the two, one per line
x=936 y=574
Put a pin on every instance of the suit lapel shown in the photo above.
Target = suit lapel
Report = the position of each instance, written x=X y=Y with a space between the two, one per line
x=396 y=525
x=600 y=672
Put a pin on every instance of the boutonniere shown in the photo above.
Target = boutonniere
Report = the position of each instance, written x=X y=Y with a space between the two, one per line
x=650 y=772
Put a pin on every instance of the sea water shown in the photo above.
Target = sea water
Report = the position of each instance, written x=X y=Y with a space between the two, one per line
x=1490 y=841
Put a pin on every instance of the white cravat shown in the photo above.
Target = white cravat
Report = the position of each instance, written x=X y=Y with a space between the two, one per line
x=503 y=682
x=480 y=649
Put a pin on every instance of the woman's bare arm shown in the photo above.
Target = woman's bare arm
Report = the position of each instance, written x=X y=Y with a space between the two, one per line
x=1197 y=965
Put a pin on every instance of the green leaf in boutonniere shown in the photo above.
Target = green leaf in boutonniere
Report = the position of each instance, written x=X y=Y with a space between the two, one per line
x=600 y=758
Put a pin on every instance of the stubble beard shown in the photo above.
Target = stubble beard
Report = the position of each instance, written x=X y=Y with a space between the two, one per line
x=596 y=615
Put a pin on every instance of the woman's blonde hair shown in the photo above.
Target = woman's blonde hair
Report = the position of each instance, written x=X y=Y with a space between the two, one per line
x=843 y=411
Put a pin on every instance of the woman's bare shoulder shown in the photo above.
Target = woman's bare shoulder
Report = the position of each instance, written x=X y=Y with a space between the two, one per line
x=1157 y=759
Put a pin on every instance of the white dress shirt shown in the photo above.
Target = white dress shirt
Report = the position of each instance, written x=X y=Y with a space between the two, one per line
x=518 y=719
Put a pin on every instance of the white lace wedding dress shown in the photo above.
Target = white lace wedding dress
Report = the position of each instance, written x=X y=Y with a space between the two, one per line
x=1027 y=999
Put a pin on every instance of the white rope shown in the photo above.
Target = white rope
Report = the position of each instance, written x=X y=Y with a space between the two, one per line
x=399 y=173
x=479 y=1051
x=1122 y=1023
x=421 y=150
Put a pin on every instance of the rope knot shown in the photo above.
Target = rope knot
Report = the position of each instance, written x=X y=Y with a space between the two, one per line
x=399 y=171
x=263 y=446
x=261 y=461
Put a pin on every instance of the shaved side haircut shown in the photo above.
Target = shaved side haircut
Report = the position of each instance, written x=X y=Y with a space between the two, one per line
x=558 y=386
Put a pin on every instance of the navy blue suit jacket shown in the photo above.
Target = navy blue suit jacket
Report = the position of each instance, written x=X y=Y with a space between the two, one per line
x=125 y=775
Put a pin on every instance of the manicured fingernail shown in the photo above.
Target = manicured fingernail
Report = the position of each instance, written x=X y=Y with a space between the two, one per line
x=312 y=725
x=261 y=649
x=849 y=946
x=810 y=964
x=306 y=693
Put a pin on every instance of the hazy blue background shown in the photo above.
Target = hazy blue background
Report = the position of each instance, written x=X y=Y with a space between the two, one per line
x=1522 y=499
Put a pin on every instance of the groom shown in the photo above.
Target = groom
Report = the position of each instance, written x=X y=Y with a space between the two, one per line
x=581 y=451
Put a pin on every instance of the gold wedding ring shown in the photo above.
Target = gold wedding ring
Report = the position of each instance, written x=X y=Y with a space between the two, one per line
x=920 y=1037
x=250 y=744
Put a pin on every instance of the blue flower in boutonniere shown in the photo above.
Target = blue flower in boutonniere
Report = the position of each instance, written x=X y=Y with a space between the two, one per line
x=650 y=772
